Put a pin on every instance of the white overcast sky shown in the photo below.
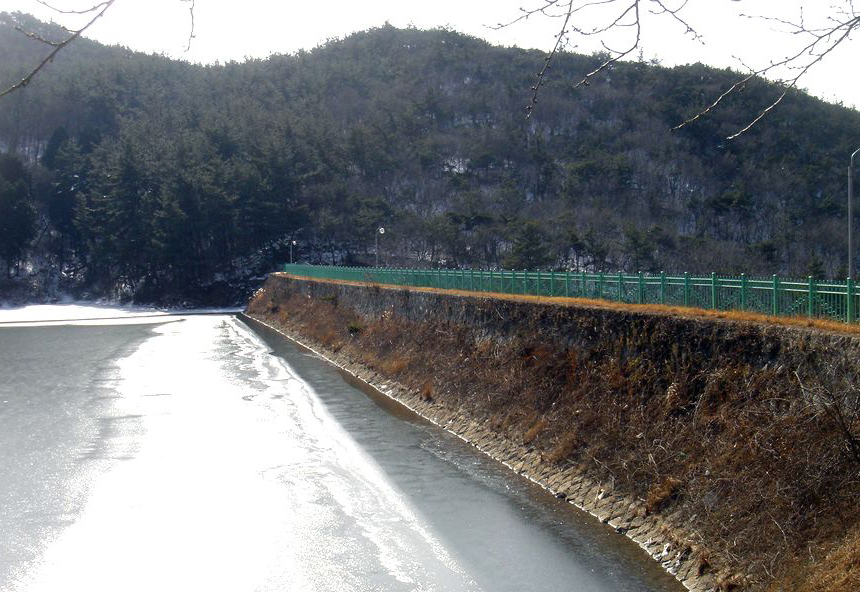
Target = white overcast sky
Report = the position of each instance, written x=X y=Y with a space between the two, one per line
x=234 y=29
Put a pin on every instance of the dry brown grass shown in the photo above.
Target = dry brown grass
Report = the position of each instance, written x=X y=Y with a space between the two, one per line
x=426 y=391
x=328 y=338
x=837 y=571
x=532 y=433
x=565 y=447
x=661 y=493
x=393 y=366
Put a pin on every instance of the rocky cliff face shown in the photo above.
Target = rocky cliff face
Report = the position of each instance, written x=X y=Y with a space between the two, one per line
x=728 y=450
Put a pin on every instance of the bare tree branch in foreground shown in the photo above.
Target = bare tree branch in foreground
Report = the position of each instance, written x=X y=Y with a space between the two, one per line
x=97 y=10
x=619 y=16
x=821 y=41
x=191 y=4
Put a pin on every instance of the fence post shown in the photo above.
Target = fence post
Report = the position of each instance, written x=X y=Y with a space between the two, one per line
x=810 y=305
x=849 y=309
x=584 y=290
x=640 y=291
x=600 y=285
x=551 y=283
x=775 y=296
x=567 y=284
x=743 y=291
x=620 y=287
x=713 y=291
x=538 y=282
x=686 y=288
x=662 y=287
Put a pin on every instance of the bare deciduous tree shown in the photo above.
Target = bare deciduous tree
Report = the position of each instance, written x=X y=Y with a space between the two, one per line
x=606 y=17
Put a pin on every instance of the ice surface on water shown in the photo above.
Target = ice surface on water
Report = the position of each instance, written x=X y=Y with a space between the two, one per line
x=241 y=481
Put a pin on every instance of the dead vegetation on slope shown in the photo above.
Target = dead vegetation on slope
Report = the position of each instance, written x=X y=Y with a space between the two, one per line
x=744 y=438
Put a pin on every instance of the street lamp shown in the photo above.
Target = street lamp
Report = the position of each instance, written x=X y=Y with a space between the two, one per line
x=379 y=231
x=292 y=242
x=850 y=213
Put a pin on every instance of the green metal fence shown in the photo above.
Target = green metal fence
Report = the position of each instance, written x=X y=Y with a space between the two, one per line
x=821 y=299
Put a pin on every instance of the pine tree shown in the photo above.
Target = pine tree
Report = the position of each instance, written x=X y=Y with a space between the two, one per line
x=17 y=222
x=529 y=250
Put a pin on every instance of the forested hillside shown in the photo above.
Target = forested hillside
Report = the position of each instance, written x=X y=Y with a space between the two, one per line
x=148 y=176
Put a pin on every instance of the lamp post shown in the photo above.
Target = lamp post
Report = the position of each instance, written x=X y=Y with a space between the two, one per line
x=292 y=242
x=851 y=213
x=379 y=231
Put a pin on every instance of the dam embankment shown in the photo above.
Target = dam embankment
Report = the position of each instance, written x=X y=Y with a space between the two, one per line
x=728 y=450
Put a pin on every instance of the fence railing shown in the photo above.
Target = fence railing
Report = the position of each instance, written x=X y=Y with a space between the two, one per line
x=819 y=299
